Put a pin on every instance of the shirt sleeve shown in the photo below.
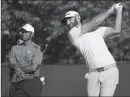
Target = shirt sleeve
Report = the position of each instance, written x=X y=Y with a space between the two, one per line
x=102 y=30
x=38 y=57
x=12 y=59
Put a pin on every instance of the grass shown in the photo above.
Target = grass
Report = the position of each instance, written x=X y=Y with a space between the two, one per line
x=68 y=80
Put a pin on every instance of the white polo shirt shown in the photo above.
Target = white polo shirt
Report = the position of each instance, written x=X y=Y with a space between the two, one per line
x=92 y=46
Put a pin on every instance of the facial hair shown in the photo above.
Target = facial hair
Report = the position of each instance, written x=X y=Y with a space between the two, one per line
x=73 y=24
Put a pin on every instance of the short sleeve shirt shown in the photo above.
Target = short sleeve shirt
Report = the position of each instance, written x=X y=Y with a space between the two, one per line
x=22 y=55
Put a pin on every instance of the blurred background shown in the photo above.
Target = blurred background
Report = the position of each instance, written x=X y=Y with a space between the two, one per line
x=45 y=17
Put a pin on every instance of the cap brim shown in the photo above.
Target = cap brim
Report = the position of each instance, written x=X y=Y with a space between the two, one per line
x=19 y=29
x=63 y=20
x=22 y=28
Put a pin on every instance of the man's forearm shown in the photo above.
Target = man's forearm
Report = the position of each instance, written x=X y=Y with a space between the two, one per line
x=29 y=68
x=26 y=69
x=101 y=17
x=54 y=36
x=96 y=20
x=118 y=22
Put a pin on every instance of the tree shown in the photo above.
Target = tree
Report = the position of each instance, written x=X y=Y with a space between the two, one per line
x=45 y=17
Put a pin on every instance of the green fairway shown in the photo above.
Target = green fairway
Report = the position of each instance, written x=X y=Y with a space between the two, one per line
x=68 y=80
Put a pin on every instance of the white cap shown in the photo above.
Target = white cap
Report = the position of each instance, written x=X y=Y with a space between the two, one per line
x=28 y=27
x=69 y=14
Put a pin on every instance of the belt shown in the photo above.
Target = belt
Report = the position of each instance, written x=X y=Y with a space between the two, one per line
x=102 y=68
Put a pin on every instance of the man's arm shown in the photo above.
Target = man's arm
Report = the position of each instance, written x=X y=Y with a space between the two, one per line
x=35 y=63
x=97 y=20
x=13 y=65
x=57 y=32
x=11 y=59
x=30 y=68
x=117 y=28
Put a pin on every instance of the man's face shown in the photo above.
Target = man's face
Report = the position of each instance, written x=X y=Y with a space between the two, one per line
x=25 y=35
x=71 y=21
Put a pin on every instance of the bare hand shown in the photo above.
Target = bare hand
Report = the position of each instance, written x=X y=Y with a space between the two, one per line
x=19 y=71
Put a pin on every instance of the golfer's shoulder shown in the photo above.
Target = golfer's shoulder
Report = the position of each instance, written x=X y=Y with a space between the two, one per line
x=36 y=46
x=15 y=47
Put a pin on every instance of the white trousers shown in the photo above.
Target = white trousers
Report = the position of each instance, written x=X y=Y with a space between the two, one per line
x=102 y=83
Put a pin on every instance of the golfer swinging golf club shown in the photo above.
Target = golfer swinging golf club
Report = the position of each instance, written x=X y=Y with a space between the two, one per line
x=103 y=75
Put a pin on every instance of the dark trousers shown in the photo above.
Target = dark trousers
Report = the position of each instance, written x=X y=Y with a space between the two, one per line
x=26 y=88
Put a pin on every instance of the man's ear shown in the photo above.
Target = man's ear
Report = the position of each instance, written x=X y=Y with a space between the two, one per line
x=77 y=17
x=32 y=34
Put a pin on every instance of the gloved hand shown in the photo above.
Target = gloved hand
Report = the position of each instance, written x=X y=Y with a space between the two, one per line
x=43 y=80
x=118 y=5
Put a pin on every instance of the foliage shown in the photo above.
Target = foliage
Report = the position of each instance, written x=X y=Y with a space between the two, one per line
x=45 y=17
